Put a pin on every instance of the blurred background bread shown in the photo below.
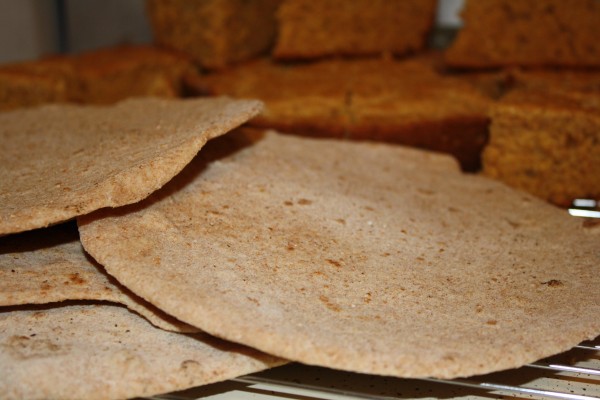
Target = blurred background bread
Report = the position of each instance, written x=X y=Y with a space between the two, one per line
x=488 y=81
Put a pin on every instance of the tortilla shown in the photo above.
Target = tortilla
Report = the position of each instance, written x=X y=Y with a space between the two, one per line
x=49 y=265
x=61 y=161
x=361 y=257
x=106 y=352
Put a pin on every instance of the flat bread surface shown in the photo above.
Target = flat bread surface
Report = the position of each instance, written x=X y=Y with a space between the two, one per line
x=49 y=265
x=61 y=161
x=106 y=352
x=357 y=256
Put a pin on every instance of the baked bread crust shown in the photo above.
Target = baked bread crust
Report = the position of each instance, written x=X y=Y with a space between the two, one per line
x=546 y=142
x=500 y=33
x=312 y=29
x=202 y=29
x=405 y=102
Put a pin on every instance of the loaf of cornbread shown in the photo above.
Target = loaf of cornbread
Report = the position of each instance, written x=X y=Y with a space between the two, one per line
x=546 y=142
x=405 y=102
x=527 y=33
x=98 y=77
x=311 y=29
x=21 y=89
x=108 y=75
x=586 y=81
x=215 y=33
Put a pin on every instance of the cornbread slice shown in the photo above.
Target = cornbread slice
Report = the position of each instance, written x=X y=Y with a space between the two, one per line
x=405 y=102
x=310 y=99
x=312 y=29
x=112 y=74
x=396 y=103
x=101 y=76
x=546 y=142
x=586 y=81
x=22 y=89
x=215 y=33
x=527 y=32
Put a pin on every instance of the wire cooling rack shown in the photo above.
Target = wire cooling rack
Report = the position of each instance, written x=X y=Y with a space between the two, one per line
x=573 y=375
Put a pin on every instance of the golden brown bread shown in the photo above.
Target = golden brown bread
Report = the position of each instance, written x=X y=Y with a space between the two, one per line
x=405 y=102
x=22 y=89
x=579 y=80
x=312 y=29
x=527 y=32
x=112 y=74
x=96 y=77
x=215 y=33
x=547 y=142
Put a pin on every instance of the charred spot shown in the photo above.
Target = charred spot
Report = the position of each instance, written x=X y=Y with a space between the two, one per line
x=553 y=283
x=76 y=279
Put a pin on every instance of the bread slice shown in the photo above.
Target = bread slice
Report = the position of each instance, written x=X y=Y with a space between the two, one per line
x=578 y=80
x=312 y=29
x=546 y=142
x=22 y=89
x=215 y=33
x=102 y=76
x=405 y=102
x=111 y=74
x=531 y=33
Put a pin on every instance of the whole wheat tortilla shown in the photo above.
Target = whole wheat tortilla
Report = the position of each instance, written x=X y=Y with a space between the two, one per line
x=49 y=265
x=106 y=352
x=359 y=257
x=61 y=161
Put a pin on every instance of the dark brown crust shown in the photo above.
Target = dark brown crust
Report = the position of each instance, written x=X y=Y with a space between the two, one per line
x=464 y=137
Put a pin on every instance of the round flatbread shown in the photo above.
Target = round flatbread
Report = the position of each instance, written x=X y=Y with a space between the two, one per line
x=106 y=352
x=357 y=256
x=61 y=161
x=49 y=265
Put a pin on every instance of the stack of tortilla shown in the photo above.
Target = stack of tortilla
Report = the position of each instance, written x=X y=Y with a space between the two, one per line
x=357 y=256
x=67 y=328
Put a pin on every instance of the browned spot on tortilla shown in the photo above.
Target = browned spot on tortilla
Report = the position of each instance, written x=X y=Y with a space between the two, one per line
x=553 y=283
x=288 y=203
x=335 y=263
x=76 y=279
x=329 y=304
x=304 y=202
x=320 y=273
x=253 y=300
x=491 y=322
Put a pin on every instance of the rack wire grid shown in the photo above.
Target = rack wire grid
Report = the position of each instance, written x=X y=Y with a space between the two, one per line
x=573 y=375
